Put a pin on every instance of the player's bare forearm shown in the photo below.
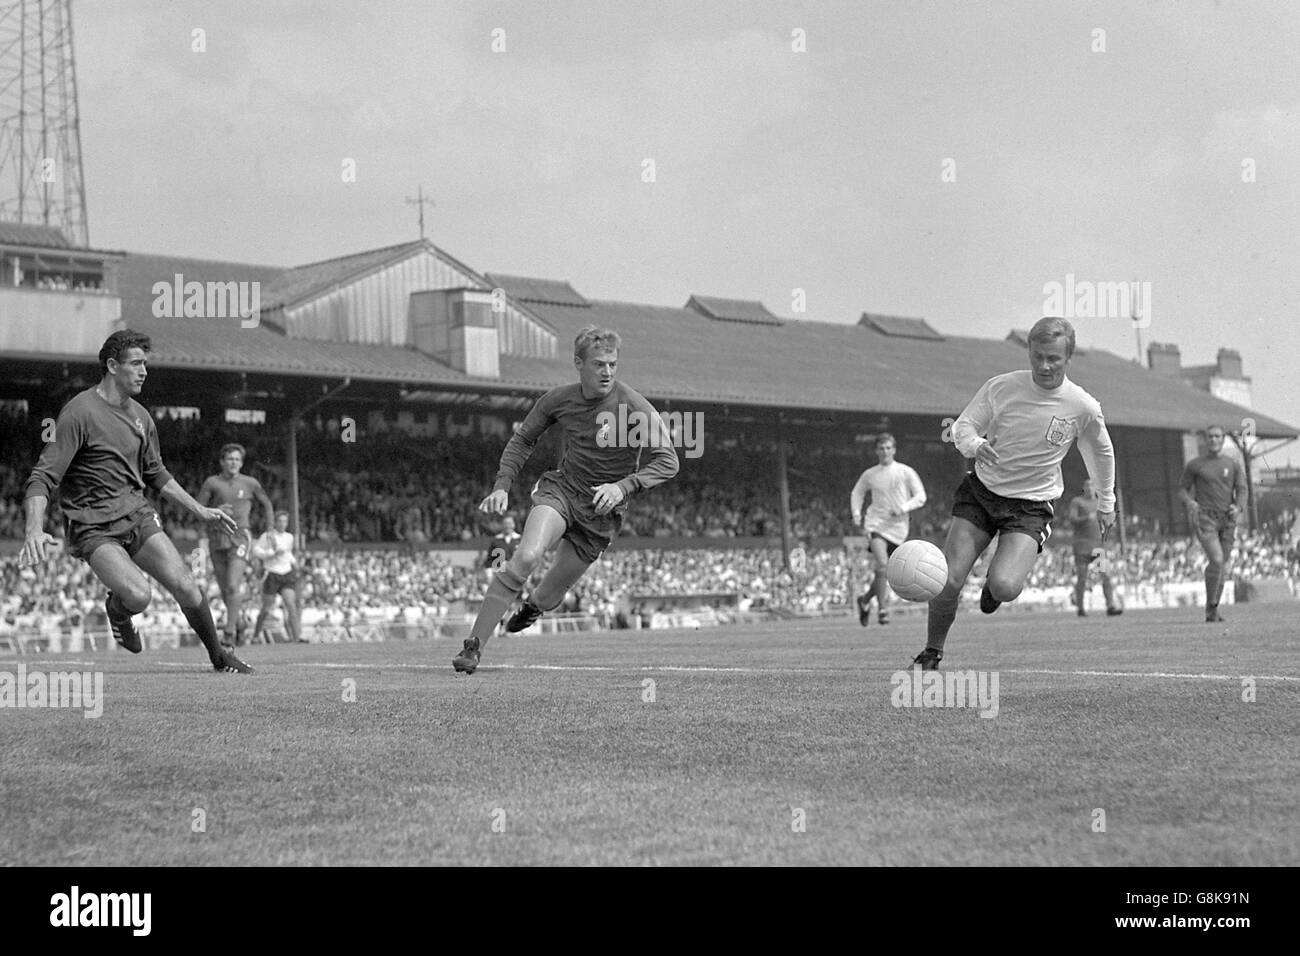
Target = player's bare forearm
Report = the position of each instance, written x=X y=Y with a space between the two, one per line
x=34 y=509
x=173 y=491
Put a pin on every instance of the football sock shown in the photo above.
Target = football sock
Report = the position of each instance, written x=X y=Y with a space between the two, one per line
x=200 y=619
x=1213 y=585
x=938 y=620
x=879 y=586
x=1108 y=589
x=1081 y=587
x=501 y=593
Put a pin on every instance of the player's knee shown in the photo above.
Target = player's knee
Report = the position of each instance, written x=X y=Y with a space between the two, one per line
x=135 y=598
x=526 y=560
x=1003 y=588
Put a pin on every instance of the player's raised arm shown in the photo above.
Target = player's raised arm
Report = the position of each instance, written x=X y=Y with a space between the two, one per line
x=1239 y=489
x=972 y=423
x=155 y=473
x=260 y=494
x=858 y=497
x=914 y=488
x=56 y=456
x=663 y=463
x=521 y=444
x=1099 y=456
x=206 y=492
x=1187 y=486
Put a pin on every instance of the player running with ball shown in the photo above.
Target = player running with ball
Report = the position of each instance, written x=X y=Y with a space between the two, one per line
x=1018 y=428
x=895 y=490
x=580 y=506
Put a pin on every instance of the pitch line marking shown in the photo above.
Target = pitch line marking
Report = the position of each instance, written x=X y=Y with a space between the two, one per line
x=707 y=669
x=1234 y=677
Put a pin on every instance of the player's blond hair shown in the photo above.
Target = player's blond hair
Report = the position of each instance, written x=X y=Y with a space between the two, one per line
x=1049 y=330
x=595 y=337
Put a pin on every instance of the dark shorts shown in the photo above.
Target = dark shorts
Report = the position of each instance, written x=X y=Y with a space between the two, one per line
x=890 y=547
x=1215 y=524
x=275 y=583
x=131 y=531
x=995 y=514
x=226 y=547
x=589 y=533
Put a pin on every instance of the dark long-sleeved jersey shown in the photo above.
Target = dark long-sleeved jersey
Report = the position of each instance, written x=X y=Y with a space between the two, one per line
x=617 y=439
x=102 y=457
x=234 y=496
x=1215 y=482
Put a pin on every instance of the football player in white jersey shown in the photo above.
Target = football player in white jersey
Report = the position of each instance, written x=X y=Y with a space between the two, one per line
x=895 y=490
x=1018 y=428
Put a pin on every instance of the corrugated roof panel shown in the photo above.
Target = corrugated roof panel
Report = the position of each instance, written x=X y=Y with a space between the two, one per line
x=899 y=326
x=732 y=310
x=546 y=291
x=31 y=234
x=301 y=282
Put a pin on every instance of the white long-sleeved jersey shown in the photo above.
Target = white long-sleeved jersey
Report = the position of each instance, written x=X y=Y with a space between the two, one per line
x=894 y=487
x=1031 y=429
x=275 y=549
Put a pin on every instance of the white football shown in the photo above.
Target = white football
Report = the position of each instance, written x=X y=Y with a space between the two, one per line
x=917 y=571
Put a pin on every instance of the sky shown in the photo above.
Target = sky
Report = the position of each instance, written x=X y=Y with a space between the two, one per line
x=945 y=160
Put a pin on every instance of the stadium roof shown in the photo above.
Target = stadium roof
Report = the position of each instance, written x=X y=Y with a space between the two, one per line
x=668 y=353
x=537 y=291
x=30 y=234
x=732 y=310
x=899 y=326
x=881 y=365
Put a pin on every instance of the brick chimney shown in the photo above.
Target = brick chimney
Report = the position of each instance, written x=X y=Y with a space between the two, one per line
x=1229 y=363
x=1165 y=359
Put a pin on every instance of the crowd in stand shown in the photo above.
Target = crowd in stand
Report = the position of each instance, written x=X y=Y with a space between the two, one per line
x=403 y=581
x=392 y=487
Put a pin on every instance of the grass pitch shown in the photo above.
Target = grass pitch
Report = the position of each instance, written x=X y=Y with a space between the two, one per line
x=776 y=744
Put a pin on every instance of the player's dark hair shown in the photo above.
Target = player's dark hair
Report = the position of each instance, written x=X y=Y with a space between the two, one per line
x=1050 y=328
x=594 y=337
x=1210 y=428
x=884 y=437
x=117 y=344
x=233 y=446
x=283 y=512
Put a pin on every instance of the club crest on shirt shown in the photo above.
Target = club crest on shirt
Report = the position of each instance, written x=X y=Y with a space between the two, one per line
x=603 y=435
x=1060 y=431
x=139 y=426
